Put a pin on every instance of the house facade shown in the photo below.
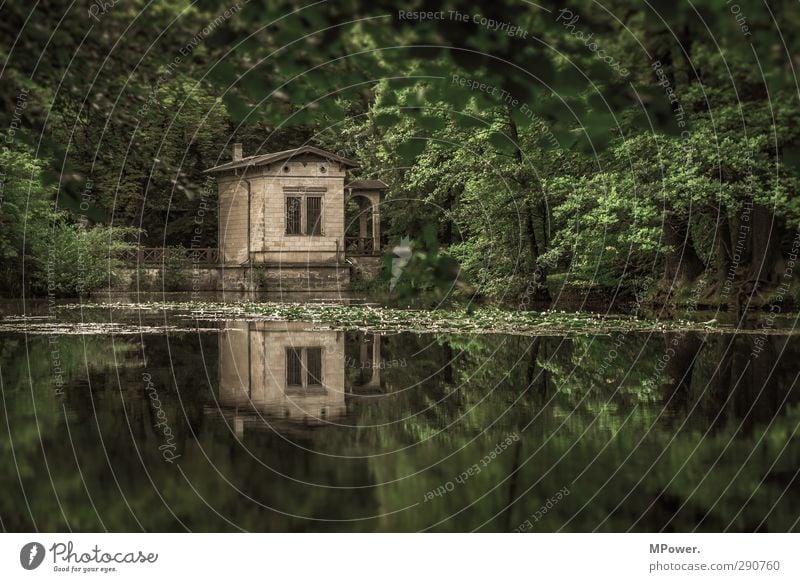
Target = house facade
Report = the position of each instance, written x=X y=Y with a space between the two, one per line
x=287 y=211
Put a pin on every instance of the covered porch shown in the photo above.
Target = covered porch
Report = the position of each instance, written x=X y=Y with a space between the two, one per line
x=363 y=217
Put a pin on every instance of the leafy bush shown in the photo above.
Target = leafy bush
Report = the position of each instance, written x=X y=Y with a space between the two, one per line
x=420 y=273
x=75 y=261
x=26 y=214
x=176 y=269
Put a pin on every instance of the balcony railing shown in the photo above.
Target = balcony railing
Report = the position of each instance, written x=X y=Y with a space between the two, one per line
x=357 y=245
x=156 y=256
x=354 y=246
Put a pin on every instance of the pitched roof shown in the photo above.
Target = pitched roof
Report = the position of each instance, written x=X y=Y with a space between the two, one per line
x=367 y=185
x=263 y=159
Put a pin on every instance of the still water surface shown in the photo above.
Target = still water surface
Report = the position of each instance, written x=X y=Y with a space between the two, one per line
x=234 y=425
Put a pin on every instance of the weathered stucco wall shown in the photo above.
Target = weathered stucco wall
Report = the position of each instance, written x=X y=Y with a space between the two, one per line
x=233 y=220
x=280 y=247
x=268 y=241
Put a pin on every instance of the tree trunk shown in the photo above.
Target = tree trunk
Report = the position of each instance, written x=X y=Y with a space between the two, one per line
x=682 y=263
x=450 y=203
x=530 y=229
x=447 y=370
x=532 y=364
x=757 y=402
x=536 y=249
x=719 y=401
x=545 y=226
x=723 y=249
x=679 y=369
x=766 y=258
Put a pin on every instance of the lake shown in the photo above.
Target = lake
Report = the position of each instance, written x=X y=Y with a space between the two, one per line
x=157 y=421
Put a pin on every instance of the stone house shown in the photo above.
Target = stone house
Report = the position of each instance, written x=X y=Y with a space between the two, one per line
x=285 y=212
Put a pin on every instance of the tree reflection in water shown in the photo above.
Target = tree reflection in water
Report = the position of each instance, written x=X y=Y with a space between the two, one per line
x=284 y=429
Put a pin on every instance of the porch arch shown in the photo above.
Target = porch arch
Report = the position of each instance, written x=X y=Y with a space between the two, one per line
x=363 y=216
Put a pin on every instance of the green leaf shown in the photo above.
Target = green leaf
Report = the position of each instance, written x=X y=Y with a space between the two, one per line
x=410 y=149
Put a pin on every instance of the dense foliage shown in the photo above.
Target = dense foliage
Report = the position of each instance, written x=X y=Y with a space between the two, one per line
x=634 y=147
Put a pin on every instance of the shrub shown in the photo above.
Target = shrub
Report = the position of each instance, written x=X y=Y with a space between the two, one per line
x=176 y=269
x=76 y=261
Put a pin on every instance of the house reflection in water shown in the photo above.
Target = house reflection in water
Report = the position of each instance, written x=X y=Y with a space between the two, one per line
x=282 y=376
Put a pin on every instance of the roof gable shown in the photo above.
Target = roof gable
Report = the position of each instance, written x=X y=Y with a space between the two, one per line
x=297 y=153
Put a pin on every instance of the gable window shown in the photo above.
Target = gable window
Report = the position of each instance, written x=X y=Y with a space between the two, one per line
x=304 y=210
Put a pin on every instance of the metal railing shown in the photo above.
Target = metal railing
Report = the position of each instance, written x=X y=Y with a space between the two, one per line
x=155 y=256
x=356 y=245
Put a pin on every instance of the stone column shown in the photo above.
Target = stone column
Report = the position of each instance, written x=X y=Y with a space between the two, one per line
x=362 y=218
x=375 y=199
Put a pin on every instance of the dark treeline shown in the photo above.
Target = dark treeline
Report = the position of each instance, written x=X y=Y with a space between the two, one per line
x=642 y=148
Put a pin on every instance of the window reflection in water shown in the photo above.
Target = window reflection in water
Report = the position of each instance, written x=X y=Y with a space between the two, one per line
x=281 y=376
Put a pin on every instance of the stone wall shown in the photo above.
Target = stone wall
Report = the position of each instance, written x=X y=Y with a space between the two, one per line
x=320 y=277
x=365 y=268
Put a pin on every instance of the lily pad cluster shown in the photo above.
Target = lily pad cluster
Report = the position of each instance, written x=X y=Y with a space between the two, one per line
x=384 y=319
